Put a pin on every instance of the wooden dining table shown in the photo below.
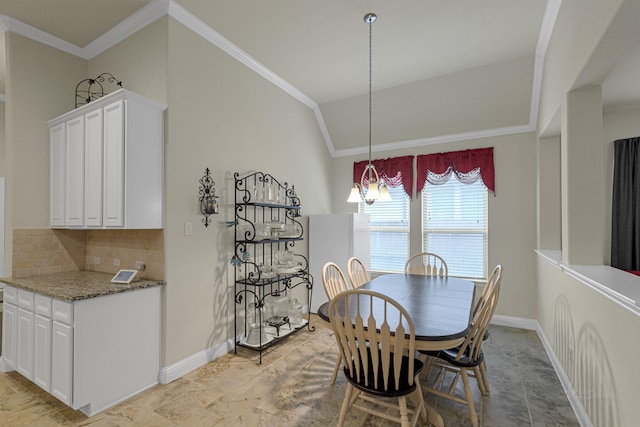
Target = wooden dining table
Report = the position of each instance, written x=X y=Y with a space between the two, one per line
x=440 y=307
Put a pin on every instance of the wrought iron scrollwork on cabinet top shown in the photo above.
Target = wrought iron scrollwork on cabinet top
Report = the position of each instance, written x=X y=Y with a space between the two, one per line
x=91 y=89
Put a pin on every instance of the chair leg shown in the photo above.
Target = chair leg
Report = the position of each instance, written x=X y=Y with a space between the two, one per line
x=433 y=417
x=418 y=400
x=346 y=405
x=480 y=381
x=467 y=392
x=483 y=372
x=336 y=369
x=428 y=364
x=404 y=412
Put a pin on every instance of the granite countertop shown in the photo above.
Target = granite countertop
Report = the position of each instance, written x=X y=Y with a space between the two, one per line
x=76 y=285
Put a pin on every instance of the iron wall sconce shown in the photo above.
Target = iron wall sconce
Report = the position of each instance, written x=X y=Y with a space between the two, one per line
x=208 y=198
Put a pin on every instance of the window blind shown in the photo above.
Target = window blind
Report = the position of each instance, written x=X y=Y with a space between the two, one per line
x=389 y=231
x=454 y=226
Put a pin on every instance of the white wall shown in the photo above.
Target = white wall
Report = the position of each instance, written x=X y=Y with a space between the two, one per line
x=140 y=62
x=2 y=63
x=583 y=324
x=578 y=29
x=492 y=96
x=595 y=341
x=40 y=85
x=225 y=117
x=2 y=210
x=4 y=257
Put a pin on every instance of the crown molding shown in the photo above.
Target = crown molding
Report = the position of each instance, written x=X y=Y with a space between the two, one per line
x=146 y=15
x=196 y=25
x=159 y=8
x=13 y=25
x=324 y=131
x=544 y=37
x=441 y=139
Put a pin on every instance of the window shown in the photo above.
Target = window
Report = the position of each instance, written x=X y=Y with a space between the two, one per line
x=389 y=231
x=454 y=225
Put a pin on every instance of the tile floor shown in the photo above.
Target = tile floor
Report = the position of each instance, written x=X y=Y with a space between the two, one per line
x=291 y=388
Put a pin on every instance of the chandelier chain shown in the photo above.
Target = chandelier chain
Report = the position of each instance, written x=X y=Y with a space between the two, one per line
x=370 y=88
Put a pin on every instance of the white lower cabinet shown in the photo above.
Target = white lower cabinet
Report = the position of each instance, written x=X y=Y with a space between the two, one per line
x=9 y=328
x=42 y=342
x=62 y=363
x=91 y=354
x=24 y=360
x=24 y=334
x=42 y=352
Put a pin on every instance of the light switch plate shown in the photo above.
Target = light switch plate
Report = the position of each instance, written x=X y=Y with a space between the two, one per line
x=188 y=228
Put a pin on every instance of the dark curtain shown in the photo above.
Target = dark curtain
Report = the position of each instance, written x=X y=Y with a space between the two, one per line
x=625 y=212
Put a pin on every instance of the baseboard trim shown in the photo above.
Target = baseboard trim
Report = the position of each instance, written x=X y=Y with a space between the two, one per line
x=3 y=368
x=533 y=325
x=183 y=367
x=515 y=322
x=574 y=400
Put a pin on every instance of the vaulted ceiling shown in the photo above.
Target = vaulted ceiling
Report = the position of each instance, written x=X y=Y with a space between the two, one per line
x=424 y=51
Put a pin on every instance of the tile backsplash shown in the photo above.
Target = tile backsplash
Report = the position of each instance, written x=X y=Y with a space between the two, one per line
x=127 y=246
x=42 y=251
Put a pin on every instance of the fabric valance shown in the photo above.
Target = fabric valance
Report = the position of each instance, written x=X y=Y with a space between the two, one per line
x=467 y=165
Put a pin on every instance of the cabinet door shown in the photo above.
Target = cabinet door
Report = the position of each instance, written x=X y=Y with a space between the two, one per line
x=42 y=352
x=57 y=144
x=93 y=169
x=62 y=362
x=114 y=164
x=74 y=173
x=9 y=334
x=24 y=359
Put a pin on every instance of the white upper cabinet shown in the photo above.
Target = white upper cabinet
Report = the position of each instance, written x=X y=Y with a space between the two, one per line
x=93 y=168
x=57 y=146
x=74 y=173
x=114 y=156
x=107 y=164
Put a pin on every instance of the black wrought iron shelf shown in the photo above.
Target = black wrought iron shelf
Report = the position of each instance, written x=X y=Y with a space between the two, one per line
x=274 y=339
x=262 y=203
x=271 y=205
x=276 y=279
x=278 y=240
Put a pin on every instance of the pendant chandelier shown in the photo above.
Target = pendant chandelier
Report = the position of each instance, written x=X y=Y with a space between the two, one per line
x=376 y=187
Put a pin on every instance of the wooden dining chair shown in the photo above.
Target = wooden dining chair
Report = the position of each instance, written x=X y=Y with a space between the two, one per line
x=334 y=282
x=493 y=285
x=358 y=274
x=379 y=362
x=467 y=360
x=428 y=264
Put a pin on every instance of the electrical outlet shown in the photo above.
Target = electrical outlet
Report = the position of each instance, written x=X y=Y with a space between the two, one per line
x=140 y=265
x=96 y=260
x=116 y=262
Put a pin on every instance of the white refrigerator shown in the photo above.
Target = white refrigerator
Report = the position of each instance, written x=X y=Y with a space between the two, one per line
x=336 y=238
